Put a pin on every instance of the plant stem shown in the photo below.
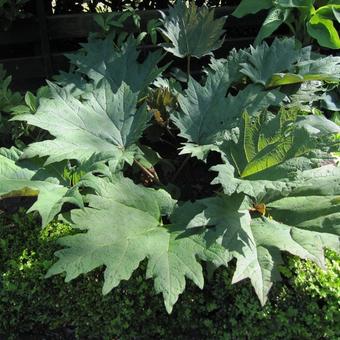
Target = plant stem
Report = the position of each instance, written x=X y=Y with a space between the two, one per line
x=180 y=168
x=188 y=67
x=153 y=176
x=141 y=99
x=290 y=27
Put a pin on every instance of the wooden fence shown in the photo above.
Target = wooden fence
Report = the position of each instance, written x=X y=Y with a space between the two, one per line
x=42 y=41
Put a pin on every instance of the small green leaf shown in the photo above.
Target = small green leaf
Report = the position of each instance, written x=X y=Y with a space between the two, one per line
x=99 y=19
x=151 y=29
x=336 y=118
x=273 y=21
x=141 y=37
x=31 y=101
x=20 y=109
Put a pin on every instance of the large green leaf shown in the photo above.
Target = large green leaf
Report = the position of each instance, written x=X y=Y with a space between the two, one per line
x=31 y=179
x=124 y=226
x=100 y=59
x=203 y=111
x=104 y=122
x=324 y=66
x=309 y=68
x=300 y=224
x=271 y=149
x=284 y=63
x=208 y=116
x=264 y=60
x=174 y=257
x=322 y=28
x=306 y=98
x=294 y=3
x=192 y=31
x=260 y=262
x=280 y=64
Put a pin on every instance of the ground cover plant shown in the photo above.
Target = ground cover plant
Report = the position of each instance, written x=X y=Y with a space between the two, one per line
x=304 y=305
x=120 y=134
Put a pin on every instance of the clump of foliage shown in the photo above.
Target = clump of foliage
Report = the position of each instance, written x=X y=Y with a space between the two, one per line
x=67 y=6
x=113 y=23
x=306 y=19
x=13 y=103
x=8 y=99
x=111 y=163
x=11 y=10
x=304 y=305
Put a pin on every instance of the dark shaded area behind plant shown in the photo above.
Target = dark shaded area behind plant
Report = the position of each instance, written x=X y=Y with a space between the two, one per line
x=68 y=6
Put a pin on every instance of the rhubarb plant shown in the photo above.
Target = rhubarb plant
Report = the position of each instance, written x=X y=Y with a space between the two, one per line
x=111 y=163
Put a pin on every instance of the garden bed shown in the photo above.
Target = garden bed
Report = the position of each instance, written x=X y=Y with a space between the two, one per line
x=171 y=198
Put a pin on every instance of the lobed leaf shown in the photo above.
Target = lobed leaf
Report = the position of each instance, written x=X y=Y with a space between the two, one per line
x=191 y=31
x=272 y=149
x=208 y=116
x=117 y=65
x=123 y=226
x=256 y=241
x=105 y=123
x=264 y=61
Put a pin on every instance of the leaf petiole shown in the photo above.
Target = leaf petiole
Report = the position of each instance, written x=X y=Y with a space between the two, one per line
x=153 y=175
x=188 y=67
